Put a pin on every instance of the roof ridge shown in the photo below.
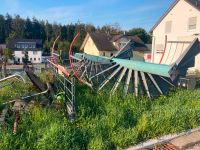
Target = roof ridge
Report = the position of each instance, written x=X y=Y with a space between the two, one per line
x=191 y=2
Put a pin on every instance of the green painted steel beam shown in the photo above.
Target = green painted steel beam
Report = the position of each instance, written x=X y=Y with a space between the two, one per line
x=157 y=69
x=97 y=59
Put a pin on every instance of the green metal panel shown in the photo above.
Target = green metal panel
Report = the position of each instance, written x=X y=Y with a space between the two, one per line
x=98 y=59
x=78 y=55
x=157 y=69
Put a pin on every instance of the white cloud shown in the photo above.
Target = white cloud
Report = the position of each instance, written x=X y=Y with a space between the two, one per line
x=10 y=6
x=60 y=14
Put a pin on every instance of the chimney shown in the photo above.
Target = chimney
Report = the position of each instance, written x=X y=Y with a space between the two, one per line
x=197 y=2
x=108 y=33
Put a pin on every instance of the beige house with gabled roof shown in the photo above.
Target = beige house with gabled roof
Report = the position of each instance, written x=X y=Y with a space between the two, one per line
x=98 y=44
x=181 y=22
x=101 y=44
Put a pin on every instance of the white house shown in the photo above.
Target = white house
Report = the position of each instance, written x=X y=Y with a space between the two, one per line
x=33 y=47
x=180 y=23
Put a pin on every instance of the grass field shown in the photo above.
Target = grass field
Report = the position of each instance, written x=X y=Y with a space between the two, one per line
x=102 y=121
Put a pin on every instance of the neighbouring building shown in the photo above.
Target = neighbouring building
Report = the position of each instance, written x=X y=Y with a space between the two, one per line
x=179 y=23
x=98 y=44
x=32 y=46
x=101 y=44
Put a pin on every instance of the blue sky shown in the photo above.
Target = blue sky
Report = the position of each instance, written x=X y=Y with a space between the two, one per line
x=128 y=13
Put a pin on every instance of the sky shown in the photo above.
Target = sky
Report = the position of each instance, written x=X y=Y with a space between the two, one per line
x=127 y=13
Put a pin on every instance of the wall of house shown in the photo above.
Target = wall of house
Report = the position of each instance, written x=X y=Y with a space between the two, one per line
x=107 y=53
x=179 y=18
x=90 y=48
x=34 y=56
x=2 y=46
x=119 y=44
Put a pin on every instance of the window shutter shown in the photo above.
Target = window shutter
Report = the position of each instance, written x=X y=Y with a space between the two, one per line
x=168 y=27
x=159 y=48
x=192 y=20
x=192 y=23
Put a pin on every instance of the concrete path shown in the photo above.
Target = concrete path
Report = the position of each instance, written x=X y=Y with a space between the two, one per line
x=188 y=142
x=185 y=141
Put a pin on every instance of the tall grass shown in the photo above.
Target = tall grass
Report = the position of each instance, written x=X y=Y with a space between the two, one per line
x=103 y=121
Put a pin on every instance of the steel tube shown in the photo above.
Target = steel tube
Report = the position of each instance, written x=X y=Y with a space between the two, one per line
x=157 y=69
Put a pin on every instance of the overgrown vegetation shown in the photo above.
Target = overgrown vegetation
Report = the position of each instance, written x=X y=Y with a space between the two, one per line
x=102 y=122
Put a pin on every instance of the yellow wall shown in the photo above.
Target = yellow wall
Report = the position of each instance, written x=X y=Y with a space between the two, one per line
x=90 y=48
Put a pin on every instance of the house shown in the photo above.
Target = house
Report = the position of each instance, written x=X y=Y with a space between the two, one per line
x=98 y=44
x=101 y=44
x=125 y=42
x=180 y=24
x=32 y=46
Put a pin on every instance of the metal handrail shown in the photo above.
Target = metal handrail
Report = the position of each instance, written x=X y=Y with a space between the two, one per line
x=13 y=76
x=41 y=93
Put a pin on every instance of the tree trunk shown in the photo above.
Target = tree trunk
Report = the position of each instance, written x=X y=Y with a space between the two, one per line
x=4 y=68
x=1 y=73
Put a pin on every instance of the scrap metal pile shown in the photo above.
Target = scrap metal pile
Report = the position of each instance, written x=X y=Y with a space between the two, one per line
x=133 y=76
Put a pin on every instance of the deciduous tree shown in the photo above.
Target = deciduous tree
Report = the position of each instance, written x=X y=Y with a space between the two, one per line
x=6 y=55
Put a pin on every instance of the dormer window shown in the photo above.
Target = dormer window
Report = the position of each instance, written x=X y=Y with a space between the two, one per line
x=192 y=23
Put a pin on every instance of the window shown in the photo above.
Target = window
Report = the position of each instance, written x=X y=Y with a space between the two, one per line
x=104 y=54
x=22 y=46
x=30 y=59
x=18 y=45
x=168 y=27
x=192 y=23
x=121 y=45
x=34 y=59
x=34 y=52
x=26 y=46
x=159 y=48
x=38 y=59
x=111 y=54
